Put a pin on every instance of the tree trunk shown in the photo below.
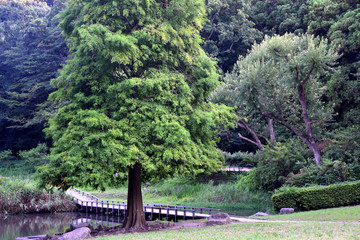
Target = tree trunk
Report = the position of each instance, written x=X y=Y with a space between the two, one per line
x=271 y=130
x=135 y=216
x=315 y=148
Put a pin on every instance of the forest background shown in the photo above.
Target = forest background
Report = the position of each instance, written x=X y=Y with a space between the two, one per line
x=32 y=50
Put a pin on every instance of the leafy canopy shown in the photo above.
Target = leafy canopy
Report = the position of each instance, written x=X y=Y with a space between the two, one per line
x=135 y=87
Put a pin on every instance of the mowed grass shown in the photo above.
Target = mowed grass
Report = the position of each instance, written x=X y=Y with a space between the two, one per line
x=343 y=214
x=268 y=230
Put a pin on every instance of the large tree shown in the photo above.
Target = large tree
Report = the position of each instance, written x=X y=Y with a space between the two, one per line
x=135 y=90
x=280 y=80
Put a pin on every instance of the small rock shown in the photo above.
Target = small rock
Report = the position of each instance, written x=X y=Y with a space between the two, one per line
x=286 y=210
x=219 y=219
x=73 y=226
x=79 y=233
x=260 y=214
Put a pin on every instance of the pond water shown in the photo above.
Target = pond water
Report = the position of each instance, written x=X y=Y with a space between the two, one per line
x=14 y=226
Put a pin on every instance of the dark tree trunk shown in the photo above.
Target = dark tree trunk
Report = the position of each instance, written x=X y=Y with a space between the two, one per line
x=135 y=216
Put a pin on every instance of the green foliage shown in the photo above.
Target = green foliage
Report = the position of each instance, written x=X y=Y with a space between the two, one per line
x=239 y=158
x=280 y=17
x=280 y=80
x=18 y=196
x=229 y=32
x=35 y=157
x=341 y=160
x=275 y=164
x=187 y=190
x=135 y=85
x=344 y=145
x=339 y=22
x=31 y=51
x=6 y=156
x=318 y=197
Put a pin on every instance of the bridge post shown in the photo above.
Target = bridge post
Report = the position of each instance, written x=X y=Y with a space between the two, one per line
x=176 y=214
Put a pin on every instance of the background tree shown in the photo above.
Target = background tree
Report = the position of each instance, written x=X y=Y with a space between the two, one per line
x=279 y=17
x=31 y=51
x=279 y=79
x=229 y=32
x=136 y=85
x=339 y=22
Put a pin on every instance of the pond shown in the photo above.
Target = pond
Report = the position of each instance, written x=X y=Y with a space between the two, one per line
x=13 y=226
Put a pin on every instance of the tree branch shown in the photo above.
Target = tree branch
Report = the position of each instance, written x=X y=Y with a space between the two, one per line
x=257 y=141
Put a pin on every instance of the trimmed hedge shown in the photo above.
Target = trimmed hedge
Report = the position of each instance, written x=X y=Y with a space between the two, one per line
x=318 y=197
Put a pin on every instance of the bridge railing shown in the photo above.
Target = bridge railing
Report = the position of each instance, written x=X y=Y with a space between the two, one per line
x=121 y=206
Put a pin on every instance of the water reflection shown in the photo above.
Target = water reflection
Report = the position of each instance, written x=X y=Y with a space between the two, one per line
x=14 y=226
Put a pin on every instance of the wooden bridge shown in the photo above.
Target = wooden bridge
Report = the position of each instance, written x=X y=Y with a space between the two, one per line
x=91 y=204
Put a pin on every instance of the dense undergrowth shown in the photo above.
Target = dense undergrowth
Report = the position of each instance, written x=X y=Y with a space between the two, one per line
x=21 y=196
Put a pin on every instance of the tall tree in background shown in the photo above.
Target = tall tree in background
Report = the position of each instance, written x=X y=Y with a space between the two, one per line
x=31 y=51
x=136 y=84
x=279 y=17
x=279 y=79
x=229 y=32
x=339 y=22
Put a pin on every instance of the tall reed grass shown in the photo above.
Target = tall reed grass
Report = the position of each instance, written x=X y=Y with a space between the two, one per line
x=188 y=190
x=19 y=196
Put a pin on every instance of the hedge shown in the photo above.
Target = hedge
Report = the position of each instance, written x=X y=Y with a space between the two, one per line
x=318 y=197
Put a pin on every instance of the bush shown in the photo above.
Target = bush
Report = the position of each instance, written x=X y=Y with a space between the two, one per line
x=329 y=172
x=343 y=145
x=239 y=159
x=318 y=197
x=36 y=156
x=276 y=163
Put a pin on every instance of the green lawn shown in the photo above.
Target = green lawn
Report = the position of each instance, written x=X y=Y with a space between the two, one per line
x=270 y=230
x=334 y=223
x=343 y=214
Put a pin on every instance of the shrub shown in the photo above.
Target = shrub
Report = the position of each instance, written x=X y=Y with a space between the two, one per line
x=329 y=173
x=36 y=156
x=274 y=164
x=239 y=159
x=343 y=145
x=318 y=197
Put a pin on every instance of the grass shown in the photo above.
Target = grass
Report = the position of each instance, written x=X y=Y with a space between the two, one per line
x=19 y=196
x=271 y=230
x=343 y=214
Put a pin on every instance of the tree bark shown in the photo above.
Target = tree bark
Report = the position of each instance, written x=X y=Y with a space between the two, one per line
x=313 y=145
x=271 y=130
x=257 y=141
x=135 y=216
x=310 y=142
